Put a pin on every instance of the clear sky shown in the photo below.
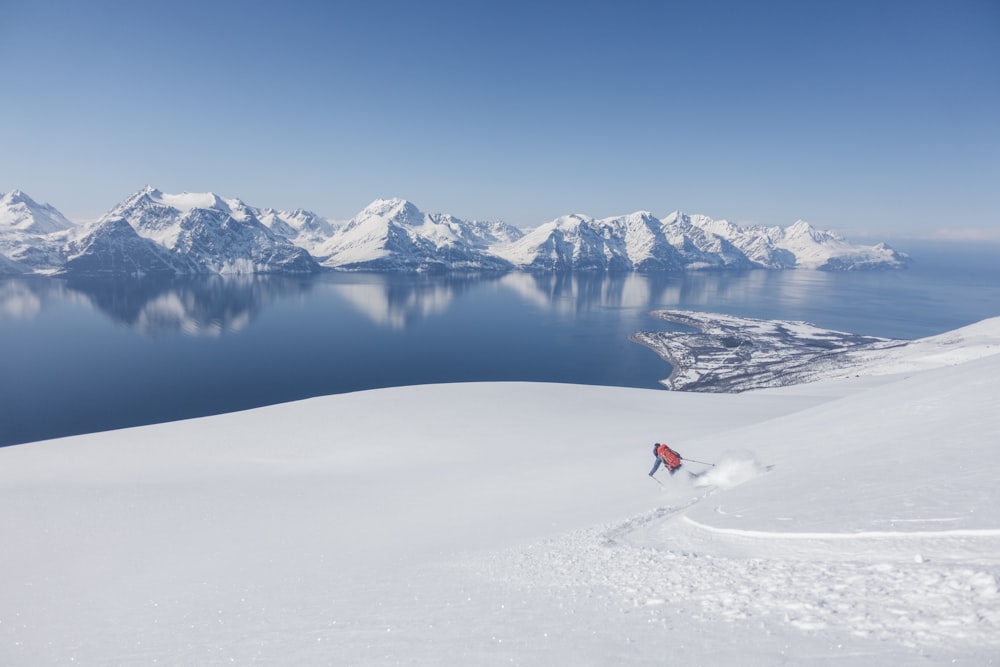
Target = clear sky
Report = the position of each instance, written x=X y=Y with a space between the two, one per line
x=865 y=116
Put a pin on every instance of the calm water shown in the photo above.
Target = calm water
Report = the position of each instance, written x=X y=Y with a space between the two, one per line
x=77 y=357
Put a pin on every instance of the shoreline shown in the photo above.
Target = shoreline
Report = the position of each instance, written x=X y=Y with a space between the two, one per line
x=729 y=354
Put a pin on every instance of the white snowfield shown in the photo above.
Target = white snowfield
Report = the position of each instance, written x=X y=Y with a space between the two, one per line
x=852 y=521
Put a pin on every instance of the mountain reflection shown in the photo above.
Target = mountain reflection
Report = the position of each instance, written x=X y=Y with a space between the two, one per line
x=201 y=306
x=573 y=292
x=213 y=305
x=396 y=301
x=576 y=292
x=19 y=301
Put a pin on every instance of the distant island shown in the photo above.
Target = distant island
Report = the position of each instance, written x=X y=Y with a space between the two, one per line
x=155 y=233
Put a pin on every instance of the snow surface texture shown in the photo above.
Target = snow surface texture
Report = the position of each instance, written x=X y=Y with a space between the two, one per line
x=851 y=521
x=732 y=354
x=152 y=232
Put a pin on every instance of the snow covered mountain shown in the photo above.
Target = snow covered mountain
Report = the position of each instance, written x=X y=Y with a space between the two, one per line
x=817 y=249
x=567 y=243
x=31 y=235
x=393 y=235
x=303 y=228
x=679 y=242
x=204 y=233
x=112 y=247
x=20 y=212
x=201 y=232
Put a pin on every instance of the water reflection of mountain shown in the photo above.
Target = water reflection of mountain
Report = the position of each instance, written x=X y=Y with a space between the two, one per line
x=574 y=292
x=212 y=305
x=396 y=301
x=25 y=298
x=201 y=306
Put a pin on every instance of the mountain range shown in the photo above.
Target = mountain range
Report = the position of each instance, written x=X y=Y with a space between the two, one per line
x=152 y=232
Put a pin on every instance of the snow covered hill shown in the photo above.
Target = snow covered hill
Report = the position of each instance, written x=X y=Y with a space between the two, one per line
x=851 y=521
x=204 y=233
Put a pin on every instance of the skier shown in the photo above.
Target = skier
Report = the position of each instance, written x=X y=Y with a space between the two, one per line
x=667 y=456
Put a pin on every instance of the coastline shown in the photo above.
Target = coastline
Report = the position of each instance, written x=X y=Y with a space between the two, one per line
x=728 y=354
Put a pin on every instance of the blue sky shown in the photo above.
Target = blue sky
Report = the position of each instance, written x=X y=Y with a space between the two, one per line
x=864 y=116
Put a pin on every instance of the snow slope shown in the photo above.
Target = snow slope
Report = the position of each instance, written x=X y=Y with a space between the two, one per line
x=851 y=521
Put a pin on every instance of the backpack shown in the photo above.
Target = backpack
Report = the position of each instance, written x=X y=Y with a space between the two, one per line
x=669 y=456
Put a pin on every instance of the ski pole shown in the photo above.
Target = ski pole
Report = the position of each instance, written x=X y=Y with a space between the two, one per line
x=704 y=463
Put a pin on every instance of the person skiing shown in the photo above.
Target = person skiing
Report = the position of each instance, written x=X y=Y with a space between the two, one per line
x=666 y=456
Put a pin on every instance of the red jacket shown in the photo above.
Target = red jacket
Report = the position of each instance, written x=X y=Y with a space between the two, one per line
x=668 y=456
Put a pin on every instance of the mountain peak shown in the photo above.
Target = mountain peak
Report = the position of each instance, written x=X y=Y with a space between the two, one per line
x=390 y=204
x=803 y=230
x=16 y=196
x=183 y=202
x=800 y=227
x=400 y=210
x=19 y=211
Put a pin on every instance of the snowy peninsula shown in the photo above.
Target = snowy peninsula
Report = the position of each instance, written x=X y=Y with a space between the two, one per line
x=848 y=521
x=731 y=354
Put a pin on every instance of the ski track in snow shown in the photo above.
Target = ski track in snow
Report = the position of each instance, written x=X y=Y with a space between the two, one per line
x=883 y=588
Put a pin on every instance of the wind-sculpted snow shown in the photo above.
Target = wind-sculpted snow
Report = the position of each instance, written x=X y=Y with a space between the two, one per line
x=207 y=233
